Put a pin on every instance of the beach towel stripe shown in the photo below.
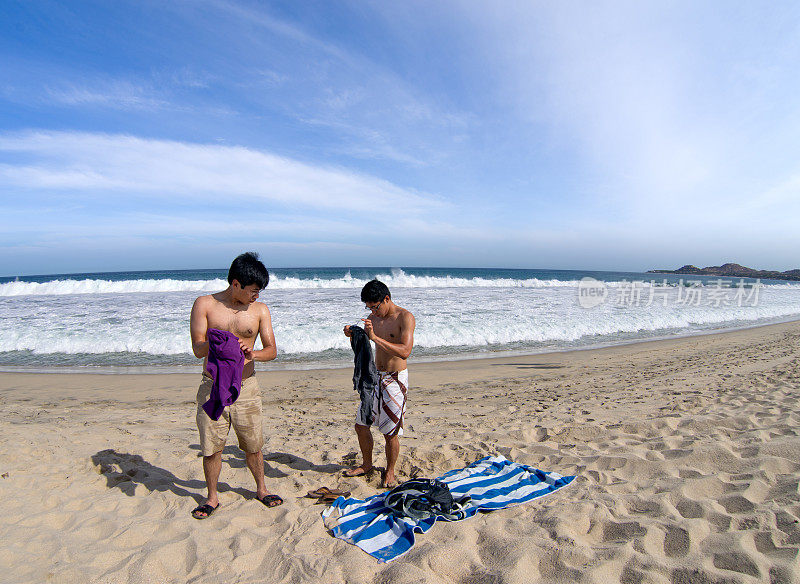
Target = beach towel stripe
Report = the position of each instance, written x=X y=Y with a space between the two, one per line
x=491 y=483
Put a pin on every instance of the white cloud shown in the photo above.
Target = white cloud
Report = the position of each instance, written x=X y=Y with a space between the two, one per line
x=264 y=19
x=117 y=94
x=119 y=164
x=148 y=95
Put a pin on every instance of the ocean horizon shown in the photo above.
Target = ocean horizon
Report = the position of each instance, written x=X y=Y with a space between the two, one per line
x=137 y=321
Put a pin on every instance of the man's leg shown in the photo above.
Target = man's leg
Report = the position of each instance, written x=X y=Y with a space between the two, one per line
x=394 y=387
x=212 y=465
x=392 y=453
x=366 y=443
x=246 y=419
x=212 y=439
x=255 y=462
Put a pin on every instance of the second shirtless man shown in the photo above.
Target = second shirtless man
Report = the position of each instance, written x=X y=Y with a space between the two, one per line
x=391 y=328
x=234 y=310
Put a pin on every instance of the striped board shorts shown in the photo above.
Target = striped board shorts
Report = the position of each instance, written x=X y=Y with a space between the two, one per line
x=388 y=403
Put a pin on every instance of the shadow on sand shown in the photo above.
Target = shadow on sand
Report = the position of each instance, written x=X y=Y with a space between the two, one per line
x=235 y=459
x=124 y=471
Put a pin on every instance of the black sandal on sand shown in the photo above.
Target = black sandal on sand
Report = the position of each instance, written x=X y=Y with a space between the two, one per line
x=204 y=508
x=271 y=500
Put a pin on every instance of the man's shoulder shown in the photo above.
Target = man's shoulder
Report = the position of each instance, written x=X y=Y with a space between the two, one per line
x=259 y=308
x=405 y=314
x=405 y=318
x=205 y=300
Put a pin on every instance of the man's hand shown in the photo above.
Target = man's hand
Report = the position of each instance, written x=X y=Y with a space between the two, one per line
x=248 y=352
x=347 y=330
x=368 y=329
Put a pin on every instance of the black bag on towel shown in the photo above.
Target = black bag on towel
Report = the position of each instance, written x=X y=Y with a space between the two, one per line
x=421 y=498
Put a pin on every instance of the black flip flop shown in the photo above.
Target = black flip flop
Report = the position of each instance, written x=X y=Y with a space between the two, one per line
x=204 y=508
x=271 y=500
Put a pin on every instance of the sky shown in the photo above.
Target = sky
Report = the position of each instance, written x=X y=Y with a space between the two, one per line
x=563 y=135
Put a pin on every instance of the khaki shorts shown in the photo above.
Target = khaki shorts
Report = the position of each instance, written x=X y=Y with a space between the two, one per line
x=244 y=415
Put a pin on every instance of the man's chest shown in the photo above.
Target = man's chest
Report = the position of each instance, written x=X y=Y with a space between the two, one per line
x=387 y=329
x=241 y=323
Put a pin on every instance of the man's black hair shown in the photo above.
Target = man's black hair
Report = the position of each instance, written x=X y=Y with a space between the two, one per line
x=374 y=291
x=247 y=269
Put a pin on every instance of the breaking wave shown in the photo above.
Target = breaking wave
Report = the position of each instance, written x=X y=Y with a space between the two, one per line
x=396 y=278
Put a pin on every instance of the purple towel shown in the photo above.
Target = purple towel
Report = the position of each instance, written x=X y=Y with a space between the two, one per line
x=225 y=364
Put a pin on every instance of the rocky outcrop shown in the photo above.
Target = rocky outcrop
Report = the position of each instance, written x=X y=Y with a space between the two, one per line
x=732 y=271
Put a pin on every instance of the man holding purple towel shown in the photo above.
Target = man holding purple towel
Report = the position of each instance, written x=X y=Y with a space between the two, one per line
x=224 y=327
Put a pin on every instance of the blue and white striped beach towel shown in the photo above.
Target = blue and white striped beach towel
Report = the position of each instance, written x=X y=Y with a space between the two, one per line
x=491 y=483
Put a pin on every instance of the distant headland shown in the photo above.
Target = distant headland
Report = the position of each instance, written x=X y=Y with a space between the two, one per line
x=731 y=270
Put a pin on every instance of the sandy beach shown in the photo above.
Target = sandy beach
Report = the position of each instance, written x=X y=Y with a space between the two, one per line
x=686 y=453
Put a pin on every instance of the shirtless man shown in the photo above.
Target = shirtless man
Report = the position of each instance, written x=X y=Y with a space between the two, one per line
x=234 y=310
x=391 y=328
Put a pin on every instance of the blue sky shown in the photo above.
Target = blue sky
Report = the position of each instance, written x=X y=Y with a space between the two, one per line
x=619 y=135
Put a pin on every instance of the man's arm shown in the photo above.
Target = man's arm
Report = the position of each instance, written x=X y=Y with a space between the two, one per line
x=270 y=350
x=401 y=349
x=198 y=327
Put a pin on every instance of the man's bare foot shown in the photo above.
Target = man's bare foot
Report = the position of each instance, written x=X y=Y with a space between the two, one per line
x=358 y=471
x=389 y=482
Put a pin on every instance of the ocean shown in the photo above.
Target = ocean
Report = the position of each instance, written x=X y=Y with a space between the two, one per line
x=138 y=321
